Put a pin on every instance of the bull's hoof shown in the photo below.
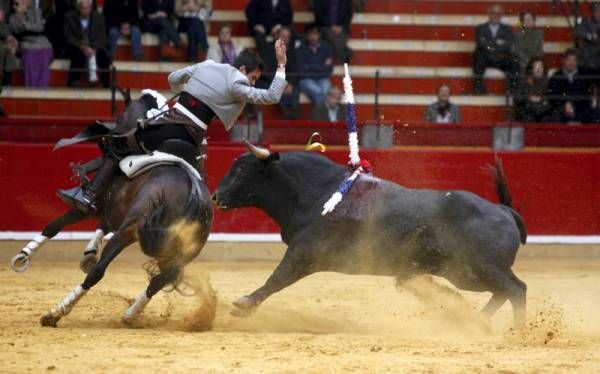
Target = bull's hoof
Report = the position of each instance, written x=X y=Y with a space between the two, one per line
x=49 y=320
x=88 y=261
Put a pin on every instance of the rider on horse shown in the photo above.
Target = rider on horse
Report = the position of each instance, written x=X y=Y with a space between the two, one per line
x=206 y=89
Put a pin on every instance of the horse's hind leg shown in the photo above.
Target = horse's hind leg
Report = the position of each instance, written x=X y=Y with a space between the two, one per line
x=115 y=245
x=22 y=260
x=157 y=283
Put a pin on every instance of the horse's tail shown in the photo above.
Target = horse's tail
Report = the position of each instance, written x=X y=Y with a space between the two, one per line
x=168 y=243
x=506 y=199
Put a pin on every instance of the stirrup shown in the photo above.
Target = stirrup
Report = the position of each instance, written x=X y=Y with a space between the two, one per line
x=76 y=198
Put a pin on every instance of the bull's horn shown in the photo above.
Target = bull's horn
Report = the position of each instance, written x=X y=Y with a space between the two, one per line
x=259 y=152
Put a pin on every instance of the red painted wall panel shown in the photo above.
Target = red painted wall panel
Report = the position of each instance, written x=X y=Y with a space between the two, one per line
x=559 y=192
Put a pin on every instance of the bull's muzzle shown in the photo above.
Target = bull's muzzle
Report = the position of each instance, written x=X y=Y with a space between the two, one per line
x=215 y=201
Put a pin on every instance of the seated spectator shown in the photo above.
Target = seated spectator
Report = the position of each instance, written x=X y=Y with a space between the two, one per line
x=191 y=14
x=85 y=36
x=493 y=46
x=123 y=19
x=569 y=90
x=333 y=17
x=157 y=20
x=265 y=18
x=529 y=40
x=442 y=111
x=332 y=109
x=531 y=101
x=8 y=50
x=290 y=100
x=225 y=51
x=315 y=65
x=27 y=25
x=587 y=39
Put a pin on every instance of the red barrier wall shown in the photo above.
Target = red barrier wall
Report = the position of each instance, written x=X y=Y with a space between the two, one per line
x=559 y=191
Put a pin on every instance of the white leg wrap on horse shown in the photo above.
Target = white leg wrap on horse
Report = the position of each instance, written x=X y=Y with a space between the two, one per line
x=64 y=307
x=137 y=307
x=33 y=245
x=95 y=243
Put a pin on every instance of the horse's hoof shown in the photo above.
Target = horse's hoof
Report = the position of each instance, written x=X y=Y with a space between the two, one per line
x=20 y=262
x=244 y=302
x=241 y=313
x=88 y=261
x=127 y=321
x=49 y=320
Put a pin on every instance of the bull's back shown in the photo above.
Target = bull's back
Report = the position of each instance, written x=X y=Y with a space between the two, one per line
x=452 y=225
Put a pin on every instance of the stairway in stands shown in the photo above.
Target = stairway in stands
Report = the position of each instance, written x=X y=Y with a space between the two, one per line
x=415 y=45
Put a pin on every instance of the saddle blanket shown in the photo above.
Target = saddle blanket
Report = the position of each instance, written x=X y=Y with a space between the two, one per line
x=134 y=165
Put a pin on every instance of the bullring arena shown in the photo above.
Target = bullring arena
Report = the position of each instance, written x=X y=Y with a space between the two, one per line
x=325 y=323
x=403 y=54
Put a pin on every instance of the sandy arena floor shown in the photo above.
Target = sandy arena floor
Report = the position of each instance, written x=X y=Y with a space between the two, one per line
x=325 y=323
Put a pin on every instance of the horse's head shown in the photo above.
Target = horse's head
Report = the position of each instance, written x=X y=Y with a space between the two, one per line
x=134 y=110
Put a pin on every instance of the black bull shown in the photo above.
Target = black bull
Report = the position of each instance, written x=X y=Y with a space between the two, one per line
x=380 y=228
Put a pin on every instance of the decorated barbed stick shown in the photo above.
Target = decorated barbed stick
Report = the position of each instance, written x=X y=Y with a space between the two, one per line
x=357 y=165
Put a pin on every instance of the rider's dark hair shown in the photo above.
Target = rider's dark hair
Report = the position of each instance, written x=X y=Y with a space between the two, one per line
x=250 y=59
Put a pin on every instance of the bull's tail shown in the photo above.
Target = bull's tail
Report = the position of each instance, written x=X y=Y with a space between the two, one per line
x=505 y=198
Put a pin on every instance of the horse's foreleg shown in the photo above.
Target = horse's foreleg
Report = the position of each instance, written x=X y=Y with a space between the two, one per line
x=22 y=260
x=90 y=257
x=114 y=246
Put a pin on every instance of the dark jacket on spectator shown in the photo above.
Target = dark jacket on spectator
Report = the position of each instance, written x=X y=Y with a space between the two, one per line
x=321 y=113
x=261 y=12
x=311 y=63
x=153 y=6
x=577 y=92
x=527 y=110
x=117 y=12
x=74 y=36
x=487 y=43
x=322 y=10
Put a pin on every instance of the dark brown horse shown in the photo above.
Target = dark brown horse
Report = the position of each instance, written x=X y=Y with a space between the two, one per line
x=167 y=209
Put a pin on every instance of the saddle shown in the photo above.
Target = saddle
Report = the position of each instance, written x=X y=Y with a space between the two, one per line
x=171 y=152
x=132 y=166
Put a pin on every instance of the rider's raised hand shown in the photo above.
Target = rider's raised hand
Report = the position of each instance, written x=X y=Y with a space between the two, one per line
x=280 y=49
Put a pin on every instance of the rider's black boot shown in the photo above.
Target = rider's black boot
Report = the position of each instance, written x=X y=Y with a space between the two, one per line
x=85 y=199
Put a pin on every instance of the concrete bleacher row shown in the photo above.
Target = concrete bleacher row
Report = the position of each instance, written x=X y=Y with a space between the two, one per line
x=422 y=44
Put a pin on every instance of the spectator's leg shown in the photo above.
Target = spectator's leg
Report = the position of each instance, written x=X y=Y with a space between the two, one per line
x=310 y=87
x=265 y=50
x=46 y=57
x=136 y=43
x=324 y=86
x=479 y=65
x=195 y=33
x=169 y=32
x=113 y=38
x=289 y=105
x=30 y=66
x=103 y=62
x=78 y=65
x=338 y=42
